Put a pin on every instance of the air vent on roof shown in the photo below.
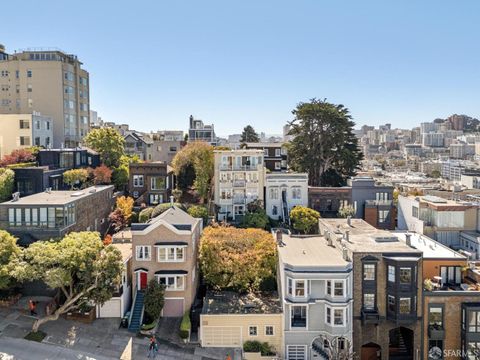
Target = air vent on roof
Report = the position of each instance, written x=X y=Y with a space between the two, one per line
x=385 y=238
x=77 y=194
x=434 y=199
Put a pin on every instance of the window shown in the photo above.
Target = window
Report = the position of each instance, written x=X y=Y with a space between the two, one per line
x=173 y=148
x=369 y=301
x=252 y=331
x=415 y=212
x=298 y=316
x=143 y=253
x=269 y=330
x=29 y=73
x=473 y=349
x=336 y=315
x=381 y=196
x=137 y=180
x=157 y=183
x=290 y=286
x=369 y=272
x=278 y=165
x=329 y=287
x=29 y=88
x=156 y=199
x=37 y=141
x=296 y=352
x=171 y=254
x=300 y=288
x=24 y=124
x=473 y=321
x=391 y=273
x=274 y=210
x=29 y=103
x=405 y=305
x=172 y=282
x=274 y=193
x=328 y=315
x=296 y=193
x=17 y=74
x=435 y=316
x=338 y=287
x=265 y=152
x=25 y=140
x=391 y=303
x=278 y=152
x=383 y=216
x=405 y=275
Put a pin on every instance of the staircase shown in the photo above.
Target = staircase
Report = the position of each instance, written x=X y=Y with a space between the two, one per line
x=399 y=350
x=285 y=214
x=136 y=315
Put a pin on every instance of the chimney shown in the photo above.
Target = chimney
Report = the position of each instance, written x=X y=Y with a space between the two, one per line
x=347 y=235
x=349 y=220
x=278 y=236
x=329 y=238
x=408 y=239
x=345 y=253
x=171 y=200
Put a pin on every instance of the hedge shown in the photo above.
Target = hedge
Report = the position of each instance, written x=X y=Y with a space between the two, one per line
x=185 y=326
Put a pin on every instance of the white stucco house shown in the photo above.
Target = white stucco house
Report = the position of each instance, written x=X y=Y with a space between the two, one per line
x=283 y=192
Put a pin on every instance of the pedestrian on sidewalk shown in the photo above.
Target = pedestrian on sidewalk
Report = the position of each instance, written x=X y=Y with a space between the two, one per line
x=152 y=347
x=32 y=305
x=228 y=357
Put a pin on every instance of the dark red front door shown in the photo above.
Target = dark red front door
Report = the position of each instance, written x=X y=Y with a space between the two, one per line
x=143 y=280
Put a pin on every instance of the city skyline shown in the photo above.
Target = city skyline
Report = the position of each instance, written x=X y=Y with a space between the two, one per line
x=252 y=63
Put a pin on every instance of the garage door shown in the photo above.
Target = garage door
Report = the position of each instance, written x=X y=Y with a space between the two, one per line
x=228 y=336
x=173 y=308
x=111 y=309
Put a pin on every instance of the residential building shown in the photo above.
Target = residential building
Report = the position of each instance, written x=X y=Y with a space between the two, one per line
x=283 y=191
x=51 y=82
x=119 y=304
x=20 y=131
x=275 y=155
x=329 y=200
x=150 y=183
x=239 y=178
x=138 y=144
x=436 y=217
x=433 y=139
x=387 y=278
x=413 y=150
x=198 y=131
x=315 y=282
x=65 y=158
x=166 y=249
x=229 y=319
x=166 y=144
x=53 y=214
x=453 y=170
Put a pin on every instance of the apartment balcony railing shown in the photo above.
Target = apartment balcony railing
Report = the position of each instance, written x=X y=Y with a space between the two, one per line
x=370 y=317
x=239 y=200
x=436 y=332
x=227 y=167
x=239 y=183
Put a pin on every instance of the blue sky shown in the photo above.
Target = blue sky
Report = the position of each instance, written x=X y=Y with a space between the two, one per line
x=233 y=63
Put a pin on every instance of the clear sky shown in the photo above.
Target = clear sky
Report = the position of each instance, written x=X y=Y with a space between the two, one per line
x=233 y=63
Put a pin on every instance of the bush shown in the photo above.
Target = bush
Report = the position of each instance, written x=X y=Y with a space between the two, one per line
x=185 y=326
x=150 y=326
x=154 y=300
x=304 y=219
x=198 y=211
x=258 y=219
x=145 y=215
x=265 y=349
x=161 y=208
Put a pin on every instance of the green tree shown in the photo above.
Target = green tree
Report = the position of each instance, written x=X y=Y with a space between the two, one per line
x=75 y=176
x=161 y=208
x=154 y=300
x=304 y=219
x=7 y=181
x=249 y=135
x=121 y=173
x=108 y=143
x=9 y=255
x=198 y=211
x=257 y=220
x=79 y=265
x=346 y=211
x=435 y=174
x=145 y=215
x=323 y=143
x=199 y=156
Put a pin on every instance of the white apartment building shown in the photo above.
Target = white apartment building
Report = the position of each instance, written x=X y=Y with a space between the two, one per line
x=239 y=179
x=283 y=192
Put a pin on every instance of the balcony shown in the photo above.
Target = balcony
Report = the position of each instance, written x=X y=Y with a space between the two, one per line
x=370 y=317
x=239 y=200
x=239 y=183
x=436 y=332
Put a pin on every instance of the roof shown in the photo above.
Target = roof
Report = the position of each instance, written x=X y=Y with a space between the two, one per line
x=125 y=249
x=229 y=302
x=264 y=144
x=55 y=197
x=310 y=253
x=431 y=249
x=176 y=216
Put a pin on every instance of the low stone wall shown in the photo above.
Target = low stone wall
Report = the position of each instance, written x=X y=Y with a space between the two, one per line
x=10 y=301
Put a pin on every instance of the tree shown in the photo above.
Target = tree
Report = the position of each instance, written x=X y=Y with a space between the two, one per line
x=161 y=208
x=323 y=143
x=337 y=347
x=249 y=135
x=9 y=255
x=79 y=265
x=304 y=219
x=7 y=182
x=198 y=211
x=198 y=156
x=145 y=215
x=121 y=173
x=108 y=143
x=75 y=176
x=257 y=220
x=18 y=156
x=102 y=175
x=237 y=259
x=125 y=205
x=435 y=174
x=154 y=300
x=346 y=211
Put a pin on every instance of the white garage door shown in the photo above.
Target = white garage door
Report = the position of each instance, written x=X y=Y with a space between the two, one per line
x=222 y=336
x=111 y=309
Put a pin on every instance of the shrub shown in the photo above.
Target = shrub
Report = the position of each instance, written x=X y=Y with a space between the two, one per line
x=7 y=183
x=161 y=208
x=198 y=211
x=304 y=219
x=346 y=211
x=145 y=215
x=185 y=326
x=265 y=349
x=154 y=299
x=75 y=177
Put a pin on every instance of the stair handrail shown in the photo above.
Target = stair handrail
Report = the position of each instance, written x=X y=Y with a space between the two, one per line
x=131 y=309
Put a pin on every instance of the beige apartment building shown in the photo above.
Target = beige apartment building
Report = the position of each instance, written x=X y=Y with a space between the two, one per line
x=24 y=130
x=239 y=180
x=51 y=82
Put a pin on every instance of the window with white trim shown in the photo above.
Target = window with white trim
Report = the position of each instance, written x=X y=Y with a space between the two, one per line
x=274 y=193
x=269 y=330
x=171 y=254
x=391 y=273
x=335 y=287
x=137 y=180
x=143 y=253
x=296 y=193
x=252 y=331
x=335 y=316
x=171 y=282
x=297 y=288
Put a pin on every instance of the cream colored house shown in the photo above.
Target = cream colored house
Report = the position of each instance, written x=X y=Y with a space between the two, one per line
x=239 y=180
x=51 y=82
x=229 y=319
x=24 y=130
x=166 y=249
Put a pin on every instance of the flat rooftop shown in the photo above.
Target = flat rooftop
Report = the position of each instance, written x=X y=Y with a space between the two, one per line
x=229 y=302
x=310 y=252
x=431 y=249
x=363 y=237
x=57 y=197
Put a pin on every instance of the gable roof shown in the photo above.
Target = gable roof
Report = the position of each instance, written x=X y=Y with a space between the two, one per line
x=174 y=218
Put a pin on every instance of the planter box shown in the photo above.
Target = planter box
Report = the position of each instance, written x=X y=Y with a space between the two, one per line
x=86 y=318
x=258 y=356
x=151 y=331
x=11 y=300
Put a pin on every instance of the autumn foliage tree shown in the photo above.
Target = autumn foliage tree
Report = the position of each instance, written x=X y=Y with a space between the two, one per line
x=75 y=177
x=18 y=156
x=237 y=259
x=102 y=175
x=304 y=219
x=120 y=217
